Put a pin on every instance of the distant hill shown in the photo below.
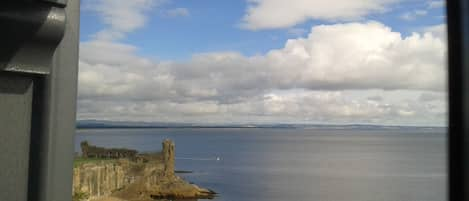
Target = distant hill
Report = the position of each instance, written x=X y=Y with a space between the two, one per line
x=125 y=124
x=130 y=124
x=83 y=124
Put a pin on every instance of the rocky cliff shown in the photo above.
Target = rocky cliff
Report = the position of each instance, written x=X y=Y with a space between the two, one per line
x=137 y=180
x=102 y=178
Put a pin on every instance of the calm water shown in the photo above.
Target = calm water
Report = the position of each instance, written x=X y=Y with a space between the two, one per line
x=300 y=164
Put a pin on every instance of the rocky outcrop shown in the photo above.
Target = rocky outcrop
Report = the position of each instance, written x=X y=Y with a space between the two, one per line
x=127 y=179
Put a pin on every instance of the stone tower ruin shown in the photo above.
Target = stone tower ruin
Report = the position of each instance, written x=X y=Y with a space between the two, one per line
x=168 y=157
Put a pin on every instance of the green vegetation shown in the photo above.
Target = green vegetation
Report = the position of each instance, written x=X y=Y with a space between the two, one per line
x=80 y=160
x=80 y=196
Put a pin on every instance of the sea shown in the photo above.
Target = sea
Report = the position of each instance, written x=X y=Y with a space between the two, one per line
x=299 y=164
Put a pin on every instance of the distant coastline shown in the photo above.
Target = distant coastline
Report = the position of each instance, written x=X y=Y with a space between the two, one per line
x=102 y=124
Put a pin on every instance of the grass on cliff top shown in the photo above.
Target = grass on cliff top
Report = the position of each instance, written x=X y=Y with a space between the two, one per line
x=80 y=160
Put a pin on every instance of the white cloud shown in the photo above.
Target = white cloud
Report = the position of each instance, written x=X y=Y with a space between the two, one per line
x=176 y=12
x=374 y=57
x=120 y=16
x=397 y=107
x=269 y=14
x=335 y=74
x=430 y=97
x=437 y=30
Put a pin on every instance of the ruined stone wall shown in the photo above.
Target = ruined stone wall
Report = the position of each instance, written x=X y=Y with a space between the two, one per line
x=101 y=152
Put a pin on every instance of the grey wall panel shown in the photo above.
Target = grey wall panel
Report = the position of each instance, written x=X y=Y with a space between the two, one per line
x=15 y=120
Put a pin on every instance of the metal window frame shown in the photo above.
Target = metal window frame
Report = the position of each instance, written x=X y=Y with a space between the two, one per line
x=54 y=122
x=40 y=41
x=458 y=96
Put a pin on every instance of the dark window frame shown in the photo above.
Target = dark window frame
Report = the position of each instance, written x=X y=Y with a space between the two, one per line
x=458 y=93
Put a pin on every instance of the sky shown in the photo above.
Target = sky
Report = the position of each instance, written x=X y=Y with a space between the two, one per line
x=264 y=61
